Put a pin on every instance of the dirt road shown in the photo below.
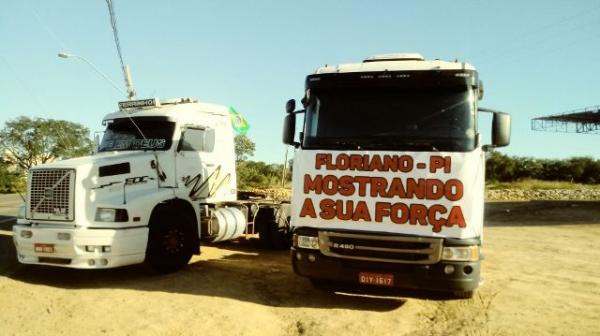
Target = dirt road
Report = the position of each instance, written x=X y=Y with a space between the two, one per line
x=541 y=271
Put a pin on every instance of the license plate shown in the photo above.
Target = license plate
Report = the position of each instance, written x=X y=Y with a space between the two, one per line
x=377 y=279
x=44 y=248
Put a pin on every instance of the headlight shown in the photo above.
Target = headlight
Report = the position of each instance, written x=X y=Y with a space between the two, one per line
x=21 y=212
x=307 y=242
x=460 y=253
x=111 y=215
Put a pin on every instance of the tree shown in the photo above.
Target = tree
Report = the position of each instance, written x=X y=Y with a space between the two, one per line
x=28 y=142
x=257 y=174
x=244 y=147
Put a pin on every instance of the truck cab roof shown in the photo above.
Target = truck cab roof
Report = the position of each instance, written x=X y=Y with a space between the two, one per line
x=183 y=110
x=395 y=62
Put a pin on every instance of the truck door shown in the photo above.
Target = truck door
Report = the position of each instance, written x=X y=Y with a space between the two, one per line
x=196 y=166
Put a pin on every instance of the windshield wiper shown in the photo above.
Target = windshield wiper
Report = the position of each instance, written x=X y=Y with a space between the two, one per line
x=422 y=145
x=346 y=144
x=440 y=112
x=402 y=145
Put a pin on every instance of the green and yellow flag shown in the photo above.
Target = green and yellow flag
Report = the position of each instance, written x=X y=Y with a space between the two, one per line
x=239 y=124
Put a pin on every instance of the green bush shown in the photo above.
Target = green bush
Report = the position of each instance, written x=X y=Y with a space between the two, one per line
x=503 y=168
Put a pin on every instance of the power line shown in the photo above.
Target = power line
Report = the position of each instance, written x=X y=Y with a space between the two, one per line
x=32 y=96
x=24 y=86
x=517 y=53
x=125 y=68
x=46 y=27
x=524 y=36
x=113 y=22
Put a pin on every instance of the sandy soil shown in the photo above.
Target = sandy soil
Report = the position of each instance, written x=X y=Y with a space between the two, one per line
x=541 y=277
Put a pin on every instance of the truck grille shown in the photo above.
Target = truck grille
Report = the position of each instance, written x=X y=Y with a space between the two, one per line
x=391 y=249
x=51 y=194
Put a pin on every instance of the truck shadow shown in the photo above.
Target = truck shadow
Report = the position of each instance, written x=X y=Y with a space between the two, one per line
x=534 y=213
x=244 y=273
x=8 y=255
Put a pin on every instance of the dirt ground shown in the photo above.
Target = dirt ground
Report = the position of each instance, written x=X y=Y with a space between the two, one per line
x=541 y=271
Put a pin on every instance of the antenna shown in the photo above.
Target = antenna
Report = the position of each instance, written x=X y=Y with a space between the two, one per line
x=124 y=67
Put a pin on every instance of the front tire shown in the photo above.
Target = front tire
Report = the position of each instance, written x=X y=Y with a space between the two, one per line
x=463 y=294
x=170 y=240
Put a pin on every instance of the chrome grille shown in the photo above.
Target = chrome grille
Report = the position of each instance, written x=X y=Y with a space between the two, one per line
x=51 y=194
x=381 y=248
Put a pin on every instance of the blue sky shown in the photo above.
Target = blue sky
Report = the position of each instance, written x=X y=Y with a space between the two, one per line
x=535 y=57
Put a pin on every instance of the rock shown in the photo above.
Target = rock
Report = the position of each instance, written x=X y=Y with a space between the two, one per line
x=547 y=194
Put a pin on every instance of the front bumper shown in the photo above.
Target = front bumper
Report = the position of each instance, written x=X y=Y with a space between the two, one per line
x=415 y=276
x=126 y=246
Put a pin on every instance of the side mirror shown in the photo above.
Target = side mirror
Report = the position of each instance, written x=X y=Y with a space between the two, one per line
x=96 y=143
x=501 y=129
x=209 y=139
x=289 y=128
x=290 y=106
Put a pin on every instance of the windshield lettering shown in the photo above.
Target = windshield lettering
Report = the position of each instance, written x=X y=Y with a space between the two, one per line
x=122 y=134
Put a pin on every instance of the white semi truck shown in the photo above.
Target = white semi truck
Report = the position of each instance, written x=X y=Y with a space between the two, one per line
x=163 y=179
x=388 y=178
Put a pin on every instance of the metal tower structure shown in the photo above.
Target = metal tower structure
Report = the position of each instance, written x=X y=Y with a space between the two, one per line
x=585 y=120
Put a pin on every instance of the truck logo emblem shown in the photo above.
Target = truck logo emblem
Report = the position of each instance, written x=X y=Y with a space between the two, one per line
x=137 y=180
x=49 y=193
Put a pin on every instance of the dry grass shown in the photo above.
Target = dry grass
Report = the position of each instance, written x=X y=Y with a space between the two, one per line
x=530 y=184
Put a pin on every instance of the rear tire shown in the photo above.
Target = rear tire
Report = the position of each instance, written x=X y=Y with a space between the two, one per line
x=263 y=221
x=463 y=294
x=171 y=240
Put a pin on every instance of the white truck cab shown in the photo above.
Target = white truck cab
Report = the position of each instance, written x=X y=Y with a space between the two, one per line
x=388 y=178
x=163 y=178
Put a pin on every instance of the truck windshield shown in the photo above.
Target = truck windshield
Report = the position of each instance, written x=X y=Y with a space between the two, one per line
x=418 y=119
x=121 y=134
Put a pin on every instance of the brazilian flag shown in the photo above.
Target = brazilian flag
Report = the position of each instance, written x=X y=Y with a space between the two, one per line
x=239 y=124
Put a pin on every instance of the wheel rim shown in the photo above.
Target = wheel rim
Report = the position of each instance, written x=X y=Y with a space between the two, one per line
x=173 y=241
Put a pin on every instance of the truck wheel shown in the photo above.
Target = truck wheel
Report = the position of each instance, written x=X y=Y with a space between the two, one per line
x=264 y=220
x=279 y=236
x=463 y=294
x=170 y=240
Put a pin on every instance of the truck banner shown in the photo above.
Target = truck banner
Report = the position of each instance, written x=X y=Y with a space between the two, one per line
x=420 y=193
